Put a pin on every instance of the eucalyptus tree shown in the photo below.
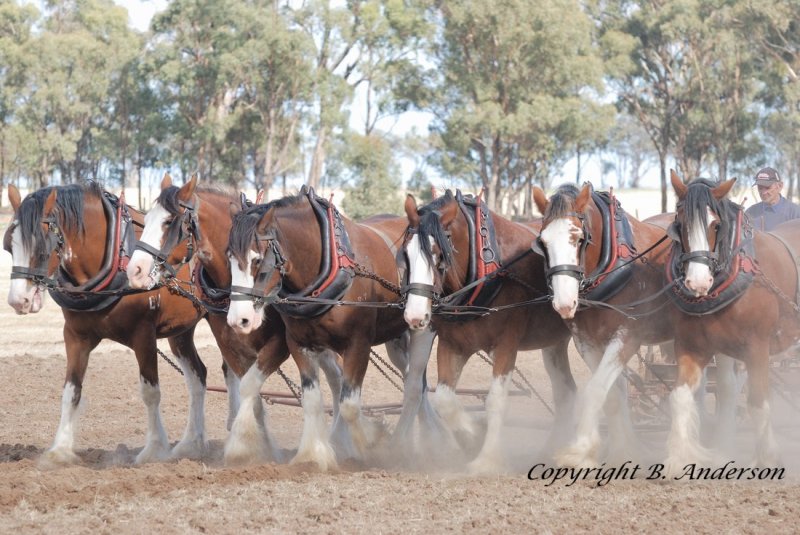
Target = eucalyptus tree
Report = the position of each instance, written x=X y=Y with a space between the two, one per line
x=518 y=78
x=774 y=26
x=75 y=59
x=16 y=23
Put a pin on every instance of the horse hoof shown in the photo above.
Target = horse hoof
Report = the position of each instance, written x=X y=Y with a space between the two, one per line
x=189 y=449
x=153 y=454
x=323 y=458
x=58 y=458
x=573 y=457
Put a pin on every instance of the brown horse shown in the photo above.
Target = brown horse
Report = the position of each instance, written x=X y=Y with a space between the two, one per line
x=597 y=254
x=301 y=255
x=85 y=235
x=198 y=218
x=736 y=292
x=453 y=244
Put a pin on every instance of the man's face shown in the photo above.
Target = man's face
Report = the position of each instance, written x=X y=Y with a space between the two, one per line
x=770 y=194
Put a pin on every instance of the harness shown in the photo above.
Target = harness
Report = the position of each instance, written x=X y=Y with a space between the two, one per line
x=102 y=290
x=729 y=283
x=480 y=287
x=336 y=273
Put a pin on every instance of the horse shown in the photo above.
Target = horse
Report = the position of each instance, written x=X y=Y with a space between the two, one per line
x=302 y=256
x=462 y=254
x=600 y=256
x=85 y=235
x=198 y=219
x=735 y=291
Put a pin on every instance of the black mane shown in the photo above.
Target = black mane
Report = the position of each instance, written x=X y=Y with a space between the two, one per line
x=431 y=225
x=245 y=222
x=68 y=211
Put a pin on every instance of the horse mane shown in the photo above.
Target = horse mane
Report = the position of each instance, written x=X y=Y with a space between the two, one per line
x=431 y=225
x=698 y=198
x=168 y=198
x=68 y=210
x=245 y=222
x=562 y=204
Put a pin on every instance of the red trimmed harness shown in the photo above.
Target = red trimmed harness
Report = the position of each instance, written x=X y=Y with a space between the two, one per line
x=339 y=258
x=120 y=262
x=483 y=267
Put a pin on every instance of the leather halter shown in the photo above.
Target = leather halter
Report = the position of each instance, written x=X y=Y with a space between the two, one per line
x=54 y=242
x=184 y=227
x=271 y=259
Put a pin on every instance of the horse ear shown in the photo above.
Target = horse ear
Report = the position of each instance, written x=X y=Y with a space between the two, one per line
x=677 y=184
x=14 y=197
x=186 y=191
x=49 y=203
x=540 y=199
x=720 y=191
x=583 y=197
x=411 y=211
x=166 y=181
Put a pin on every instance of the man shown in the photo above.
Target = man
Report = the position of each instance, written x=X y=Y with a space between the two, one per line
x=773 y=208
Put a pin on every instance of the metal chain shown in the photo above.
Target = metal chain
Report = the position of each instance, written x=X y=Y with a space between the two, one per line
x=772 y=286
x=373 y=356
x=361 y=271
x=294 y=387
x=169 y=361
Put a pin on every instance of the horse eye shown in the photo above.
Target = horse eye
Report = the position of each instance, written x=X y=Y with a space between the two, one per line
x=168 y=221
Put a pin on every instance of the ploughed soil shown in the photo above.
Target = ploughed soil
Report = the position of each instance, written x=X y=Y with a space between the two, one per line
x=107 y=493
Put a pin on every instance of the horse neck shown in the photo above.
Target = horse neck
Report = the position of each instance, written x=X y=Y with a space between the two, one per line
x=214 y=223
x=84 y=252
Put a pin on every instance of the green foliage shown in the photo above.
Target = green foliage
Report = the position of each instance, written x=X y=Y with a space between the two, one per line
x=373 y=177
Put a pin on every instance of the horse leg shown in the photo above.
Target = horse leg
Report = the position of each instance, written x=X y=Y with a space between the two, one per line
x=725 y=394
x=156 y=446
x=766 y=449
x=556 y=364
x=249 y=441
x=329 y=363
x=584 y=450
x=683 y=444
x=364 y=432
x=465 y=429
x=415 y=395
x=491 y=460
x=193 y=444
x=78 y=349
x=232 y=384
x=314 y=446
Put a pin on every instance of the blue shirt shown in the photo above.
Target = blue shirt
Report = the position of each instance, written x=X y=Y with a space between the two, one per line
x=766 y=217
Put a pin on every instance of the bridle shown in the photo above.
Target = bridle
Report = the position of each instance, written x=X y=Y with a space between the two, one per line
x=576 y=271
x=184 y=227
x=271 y=258
x=54 y=242
x=709 y=258
x=429 y=291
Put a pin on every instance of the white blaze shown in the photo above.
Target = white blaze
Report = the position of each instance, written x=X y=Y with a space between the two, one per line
x=561 y=238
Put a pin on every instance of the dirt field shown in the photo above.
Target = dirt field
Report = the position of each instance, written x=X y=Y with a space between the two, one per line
x=107 y=494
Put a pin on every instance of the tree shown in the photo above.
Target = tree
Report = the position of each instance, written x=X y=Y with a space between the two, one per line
x=515 y=88
x=373 y=181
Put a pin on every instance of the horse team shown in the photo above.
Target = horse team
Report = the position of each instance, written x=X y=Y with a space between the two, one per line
x=293 y=277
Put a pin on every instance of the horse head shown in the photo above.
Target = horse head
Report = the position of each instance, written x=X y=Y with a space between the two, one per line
x=430 y=246
x=263 y=241
x=183 y=222
x=32 y=240
x=703 y=218
x=565 y=236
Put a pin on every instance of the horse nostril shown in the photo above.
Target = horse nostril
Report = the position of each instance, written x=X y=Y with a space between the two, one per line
x=244 y=322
